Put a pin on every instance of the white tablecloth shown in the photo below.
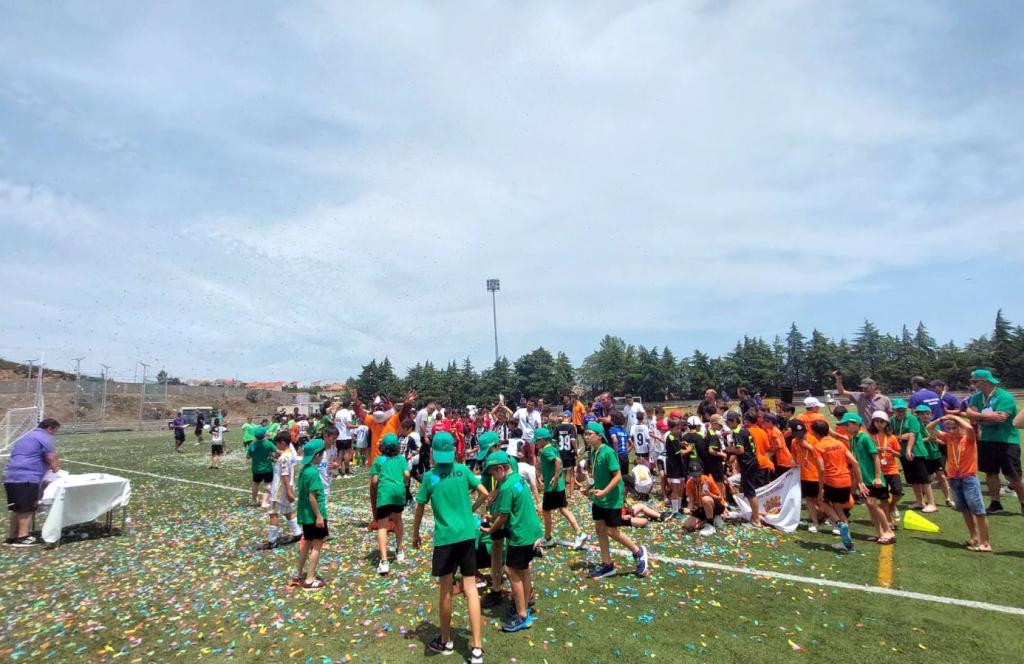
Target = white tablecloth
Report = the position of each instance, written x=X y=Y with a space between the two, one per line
x=80 y=499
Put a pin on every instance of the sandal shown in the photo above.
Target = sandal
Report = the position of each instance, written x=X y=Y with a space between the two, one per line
x=315 y=584
x=977 y=548
x=886 y=540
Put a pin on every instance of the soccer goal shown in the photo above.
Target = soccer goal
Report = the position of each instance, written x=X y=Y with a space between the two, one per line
x=16 y=422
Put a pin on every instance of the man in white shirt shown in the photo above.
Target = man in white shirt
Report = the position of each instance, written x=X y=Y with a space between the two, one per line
x=527 y=418
x=630 y=411
x=425 y=420
x=343 y=420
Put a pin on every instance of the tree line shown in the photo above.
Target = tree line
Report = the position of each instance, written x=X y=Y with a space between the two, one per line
x=795 y=360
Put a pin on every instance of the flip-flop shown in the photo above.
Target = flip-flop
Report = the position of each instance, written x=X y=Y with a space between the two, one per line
x=977 y=549
x=887 y=540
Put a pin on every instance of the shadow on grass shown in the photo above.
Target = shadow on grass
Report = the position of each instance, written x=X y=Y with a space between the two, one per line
x=425 y=632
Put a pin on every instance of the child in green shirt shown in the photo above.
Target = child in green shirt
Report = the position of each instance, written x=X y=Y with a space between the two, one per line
x=261 y=452
x=554 y=489
x=388 y=475
x=312 y=515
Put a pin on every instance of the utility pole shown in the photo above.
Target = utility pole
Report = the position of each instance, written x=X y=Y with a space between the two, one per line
x=78 y=384
x=494 y=285
x=28 y=387
x=103 y=396
x=142 y=396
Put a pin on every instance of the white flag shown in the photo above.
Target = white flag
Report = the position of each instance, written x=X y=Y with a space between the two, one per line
x=779 y=502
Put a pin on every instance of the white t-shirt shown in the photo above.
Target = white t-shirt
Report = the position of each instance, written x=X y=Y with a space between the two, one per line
x=282 y=473
x=522 y=419
x=642 y=479
x=513 y=447
x=630 y=413
x=303 y=425
x=342 y=418
x=217 y=435
x=528 y=473
x=641 y=437
x=362 y=435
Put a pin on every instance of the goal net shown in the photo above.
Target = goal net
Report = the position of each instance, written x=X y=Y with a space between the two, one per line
x=16 y=422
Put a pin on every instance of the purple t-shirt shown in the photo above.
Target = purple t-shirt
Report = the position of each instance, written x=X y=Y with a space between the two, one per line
x=928 y=398
x=951 y=401
x=28 y=457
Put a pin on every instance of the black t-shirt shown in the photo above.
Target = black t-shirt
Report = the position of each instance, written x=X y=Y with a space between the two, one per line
x=706 y=410
x=748 y=459
x=712 y=443
x=565 y=438
x=692 y=460
x=674 y=463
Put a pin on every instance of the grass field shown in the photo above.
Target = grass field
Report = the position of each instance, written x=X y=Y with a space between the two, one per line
x=187 y=583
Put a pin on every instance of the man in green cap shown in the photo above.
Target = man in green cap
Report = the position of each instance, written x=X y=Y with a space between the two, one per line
x=914 y=455
x=387 y=495
x=311 y=511
x=446 y=487
x=994 y=409
x=554 y=489
x=515 y=512
x=607 y=494
x=261 y=453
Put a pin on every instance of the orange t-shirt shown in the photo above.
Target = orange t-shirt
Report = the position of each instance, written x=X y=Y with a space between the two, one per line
x=762 y=447
x=840 y=434
x=806 y=461
x=962 y=454
x=705 y=486
x=579 y=411
x=888 y=452
x=779 y=449
x=377 y=431
x=837 y=470
x=807 y=418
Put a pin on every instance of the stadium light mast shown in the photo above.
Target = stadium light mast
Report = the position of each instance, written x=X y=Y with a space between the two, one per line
x=78 y=382
x=493 y=286
x=103 y=402
x=142 y=397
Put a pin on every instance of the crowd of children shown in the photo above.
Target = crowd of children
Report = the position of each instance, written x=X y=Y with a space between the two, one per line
x=526 y=466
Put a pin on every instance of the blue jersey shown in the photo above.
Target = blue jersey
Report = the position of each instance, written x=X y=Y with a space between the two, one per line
x=622 y=440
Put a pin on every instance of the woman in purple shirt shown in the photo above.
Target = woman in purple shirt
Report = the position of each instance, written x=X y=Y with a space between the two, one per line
x=31 y=457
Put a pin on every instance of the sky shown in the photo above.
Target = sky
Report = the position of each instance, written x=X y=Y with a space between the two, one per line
x=283 y=191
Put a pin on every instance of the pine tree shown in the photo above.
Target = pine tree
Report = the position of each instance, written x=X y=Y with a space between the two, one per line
x=795 y=357
x=1002 y=346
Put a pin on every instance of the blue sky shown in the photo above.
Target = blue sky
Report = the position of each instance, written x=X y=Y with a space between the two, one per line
x=268 y=191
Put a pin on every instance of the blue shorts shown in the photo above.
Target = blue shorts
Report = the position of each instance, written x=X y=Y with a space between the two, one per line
x=967 y=495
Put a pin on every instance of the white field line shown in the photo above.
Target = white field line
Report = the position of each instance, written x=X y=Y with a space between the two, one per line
x=703 y=564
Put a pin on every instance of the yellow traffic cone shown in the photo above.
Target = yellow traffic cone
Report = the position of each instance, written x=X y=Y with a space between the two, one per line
x=914 y=521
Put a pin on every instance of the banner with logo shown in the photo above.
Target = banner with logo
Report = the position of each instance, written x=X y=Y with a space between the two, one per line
x=779 y=501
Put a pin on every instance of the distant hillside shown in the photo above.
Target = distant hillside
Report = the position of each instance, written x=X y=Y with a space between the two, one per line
x=9 y=370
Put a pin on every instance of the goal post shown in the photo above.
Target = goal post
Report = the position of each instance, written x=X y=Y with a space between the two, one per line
x=16 y=423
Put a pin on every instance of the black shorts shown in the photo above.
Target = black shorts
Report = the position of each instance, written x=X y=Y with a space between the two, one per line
x=310 y=532
x=624 y=464
x=553 y=500
x=716 y=471
x=344 y=444
x=933 y=465
x=612 y=516
x=263 y=477
x=809 y=489
x=216 y=450
x=839 y=495
x=780 y=471
x=22 y=496
x=179 y=435
x=698 y=511
x=483 y=557
x=384 y=511
x=568 y=460
x=459 y=556
x=894 y=484
x=879 y=492
x=751 y=481
x=519 y=557
x=915 y=471
x=996 y=457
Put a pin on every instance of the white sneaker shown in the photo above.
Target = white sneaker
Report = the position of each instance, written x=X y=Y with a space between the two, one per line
x=895 y=515
x=383 y=568
x=812 y=528
x=707 y=530
x=580 y=540
x=547 y=542
x=719 y=523
x=835 y=531
x=399 y=557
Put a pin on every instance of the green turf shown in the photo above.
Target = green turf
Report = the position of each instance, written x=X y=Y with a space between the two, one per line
x=187 y=583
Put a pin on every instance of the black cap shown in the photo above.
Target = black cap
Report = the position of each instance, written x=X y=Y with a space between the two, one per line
x=797 y=426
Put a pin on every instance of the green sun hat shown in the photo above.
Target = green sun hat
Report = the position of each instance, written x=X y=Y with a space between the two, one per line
x=497 y=459
x=311 y=449
x=899 y=404
x=598 y=429
x=542 y=433
x=851 y=417
x=984 y=374
x=443 y=447
x=260 y=432
x=486 y=441
x=389 y=443
x=923 y=408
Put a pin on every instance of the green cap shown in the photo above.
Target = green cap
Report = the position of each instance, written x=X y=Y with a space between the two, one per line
x=923 y=408
x=311 y=449
x=389 y=443
x=260 y=432
x=851 y=417
x=497 y=459
x=542 y=433
x=487 y=440
x=598 y=429
x=898 y=404
x=443 y=447
x=984 y=374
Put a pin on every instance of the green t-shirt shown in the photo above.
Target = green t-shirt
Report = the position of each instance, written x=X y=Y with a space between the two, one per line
x=272 y=430
x=247 y=432
x=261 y=452
x=931 y=447
x=1000 y=401
x=516 y=500
x=390 y=474
x=606 y=464
x=548 y=456
x=910 y=424
x=447 y=489
x=864 y=448
x=310 y=482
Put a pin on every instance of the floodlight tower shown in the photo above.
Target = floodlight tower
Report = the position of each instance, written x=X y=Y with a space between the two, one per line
x=494 y=285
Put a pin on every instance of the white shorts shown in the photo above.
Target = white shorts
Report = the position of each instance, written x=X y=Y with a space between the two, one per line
x=282 y=509
x=644 y=487
x=361 y=445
